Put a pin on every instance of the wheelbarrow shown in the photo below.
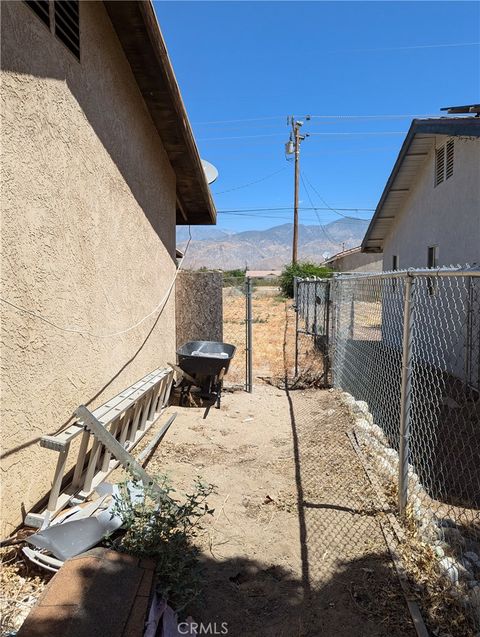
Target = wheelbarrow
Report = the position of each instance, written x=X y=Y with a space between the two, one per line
x=203 y=364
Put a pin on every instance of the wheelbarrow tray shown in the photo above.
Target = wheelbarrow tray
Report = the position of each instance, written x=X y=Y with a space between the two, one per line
x=205 y=358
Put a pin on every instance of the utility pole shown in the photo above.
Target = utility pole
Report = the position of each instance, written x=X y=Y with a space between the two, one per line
x=293 y=148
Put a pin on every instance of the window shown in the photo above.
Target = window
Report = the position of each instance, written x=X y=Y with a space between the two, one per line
x=432 y=262
x=394 y=267
x=67 y=24
x=444 y=158
x=40 y=7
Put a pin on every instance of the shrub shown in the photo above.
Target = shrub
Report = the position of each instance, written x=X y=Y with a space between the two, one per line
x=163 y=528
x=302 y=270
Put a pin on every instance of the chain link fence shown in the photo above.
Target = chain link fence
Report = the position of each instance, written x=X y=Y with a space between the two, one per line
x=312 y=331
x=405 y=347
x=235 y=328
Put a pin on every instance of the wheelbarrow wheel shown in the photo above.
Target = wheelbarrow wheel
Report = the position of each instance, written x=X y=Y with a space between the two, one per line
x=219 y=394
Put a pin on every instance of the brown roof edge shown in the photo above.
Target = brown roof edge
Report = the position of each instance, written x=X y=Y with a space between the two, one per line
x=140 y=36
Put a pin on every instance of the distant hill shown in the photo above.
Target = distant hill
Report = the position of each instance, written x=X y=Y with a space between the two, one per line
x=266 y=249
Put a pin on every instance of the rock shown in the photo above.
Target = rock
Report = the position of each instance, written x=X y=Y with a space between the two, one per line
x=448 y=568
x=348 y=399
x=474 y=599
x=361 y=407
x=450 y=403
x=452 y=536
x=439 y=552
x=447 y=522
x=472 y=557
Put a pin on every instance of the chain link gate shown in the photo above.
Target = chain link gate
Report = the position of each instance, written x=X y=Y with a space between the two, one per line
x=236 y=295
x=312 y=330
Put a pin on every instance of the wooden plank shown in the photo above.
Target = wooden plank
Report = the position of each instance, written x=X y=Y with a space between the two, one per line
x=92 y=465
x=58 y=478
x=82 y=452
x=126 y=460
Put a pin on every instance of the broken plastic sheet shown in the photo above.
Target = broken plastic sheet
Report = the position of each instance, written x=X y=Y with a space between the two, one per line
x=74 y=536
x=161 y=615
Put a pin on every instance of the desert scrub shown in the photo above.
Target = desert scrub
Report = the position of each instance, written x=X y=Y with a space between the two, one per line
x=164 y=528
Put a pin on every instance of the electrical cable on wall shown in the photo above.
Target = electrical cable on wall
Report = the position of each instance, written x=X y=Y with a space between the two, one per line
x=159 y=308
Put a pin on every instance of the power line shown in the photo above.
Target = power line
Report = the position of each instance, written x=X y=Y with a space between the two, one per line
x=271 y=209
x=319 y=222
x=234 y=121
x=406 y=48
x=350 y=133
x=396 y=132
x=370 y=117
x=336 y=210
x=251 y=183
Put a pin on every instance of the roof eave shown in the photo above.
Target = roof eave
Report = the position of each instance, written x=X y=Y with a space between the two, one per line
x=141 y=39
x=465 y=126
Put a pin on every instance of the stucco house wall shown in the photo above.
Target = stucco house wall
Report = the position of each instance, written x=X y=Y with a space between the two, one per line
x=88 y=237
x=356 y=262
x=446 y=216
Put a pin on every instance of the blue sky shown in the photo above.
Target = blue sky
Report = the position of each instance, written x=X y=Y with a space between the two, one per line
x=262 y=61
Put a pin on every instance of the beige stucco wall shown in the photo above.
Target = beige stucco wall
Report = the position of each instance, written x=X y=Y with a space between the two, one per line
x=199 y=306
x=447 y=216
x=88 y=237
x=358 y=262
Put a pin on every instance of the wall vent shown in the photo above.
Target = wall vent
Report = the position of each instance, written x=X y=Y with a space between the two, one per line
x=450 y=157
x=67 y=24
x=40 y=7
x=439 y=165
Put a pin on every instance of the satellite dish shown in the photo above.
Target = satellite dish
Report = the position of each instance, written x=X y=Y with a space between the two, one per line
x=211 y=173
x=325 y=255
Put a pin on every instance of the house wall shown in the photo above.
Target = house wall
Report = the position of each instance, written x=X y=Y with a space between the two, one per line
x=199 y=306
x=88 y=237
x=447 y=216
x=357 y=262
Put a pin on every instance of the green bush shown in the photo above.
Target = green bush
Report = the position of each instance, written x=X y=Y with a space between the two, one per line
x=164 y=529
x=302 y=270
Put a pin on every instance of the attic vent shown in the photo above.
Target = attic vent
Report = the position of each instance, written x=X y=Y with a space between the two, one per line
x=450 y=155
x=40 y=7
x=439 y=165
x=67 y=24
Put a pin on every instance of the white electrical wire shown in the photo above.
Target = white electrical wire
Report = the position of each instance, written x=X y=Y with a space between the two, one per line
x=159 y=308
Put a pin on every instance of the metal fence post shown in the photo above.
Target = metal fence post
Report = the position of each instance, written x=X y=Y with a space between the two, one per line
x=297 y=310
x=249 y=347
x=405 y=395
x=326 y=323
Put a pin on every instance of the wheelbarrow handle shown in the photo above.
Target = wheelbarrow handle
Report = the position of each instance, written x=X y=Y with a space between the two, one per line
x=183 y=374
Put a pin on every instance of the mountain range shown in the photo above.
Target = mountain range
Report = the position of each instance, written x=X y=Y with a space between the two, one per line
x=270 y=248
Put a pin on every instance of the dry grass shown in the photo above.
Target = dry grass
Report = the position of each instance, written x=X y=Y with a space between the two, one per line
x=273 y=339
x=441 y=603
x=21 y=586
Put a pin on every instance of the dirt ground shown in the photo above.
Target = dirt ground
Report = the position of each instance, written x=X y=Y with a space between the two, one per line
x=294 y=547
